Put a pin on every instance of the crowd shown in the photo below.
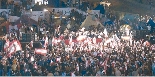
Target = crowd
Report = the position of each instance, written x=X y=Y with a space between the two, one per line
x=111 y=57
x=82 y=55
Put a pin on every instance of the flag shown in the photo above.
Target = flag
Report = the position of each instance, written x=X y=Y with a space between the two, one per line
x=11 y=49
x=32 y=59
x=35 y=65
x=31 y=44
x=70 y=40
x=58 y=59
x=53 y=41
x=105 y=32
x=77 y=67
x=41 y=51
x=46 y=42
x=105 y=64
x=17 y=45
x=94 y=40
x=6 y=45
x=153 y=47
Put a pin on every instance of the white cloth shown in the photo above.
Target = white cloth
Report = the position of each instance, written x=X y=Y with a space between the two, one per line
x=149 y=27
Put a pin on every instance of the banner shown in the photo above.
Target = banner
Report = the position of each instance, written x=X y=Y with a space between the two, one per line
x=40 y=51
x=98 y=40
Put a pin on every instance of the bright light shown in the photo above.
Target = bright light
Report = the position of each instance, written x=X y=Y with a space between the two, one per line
x=31 y=10
x=108 y=4
x=56 y=17
x=103 y=3
x=59 y=17
x=45 y=10
x=46 y=2
x=73 y=18
x=40 y=1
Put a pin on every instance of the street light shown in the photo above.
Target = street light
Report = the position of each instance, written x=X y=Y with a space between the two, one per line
x=108 y=4
x=46 y=2
x=30 y=10
x=105 y=3
x=45 y=10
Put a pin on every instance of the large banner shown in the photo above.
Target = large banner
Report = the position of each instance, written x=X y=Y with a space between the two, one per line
x=67 y=41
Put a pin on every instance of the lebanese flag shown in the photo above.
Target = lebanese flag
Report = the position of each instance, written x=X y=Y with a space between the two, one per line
x=17 y=45
x=13 y=47
x=58 y=59
x=94 y=40
x=70 y=40
x=6 y=45
x=105 y=64
x=81 y=38
x=77 y=67
x=46 y=42
x=35 y=65
x=153 y=47
x=40 y=51
x=54 y=41
x=31 y=43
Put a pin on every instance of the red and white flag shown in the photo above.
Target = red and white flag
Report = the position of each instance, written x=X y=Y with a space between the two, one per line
x=70 y=40
x=13 y=47
x=153 y=47
x=6 y=45
x=58 y=59
x=46 y=42
x=53 y=41
x=105 y=64
x=17 y=45
x=77 y=67
x=31 y=43
x=41 y=51
x=94 y=40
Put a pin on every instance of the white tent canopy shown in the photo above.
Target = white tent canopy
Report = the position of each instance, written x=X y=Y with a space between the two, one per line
x=89 y=21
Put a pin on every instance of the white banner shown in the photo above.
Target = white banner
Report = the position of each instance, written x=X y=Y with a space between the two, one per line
x=41 y=51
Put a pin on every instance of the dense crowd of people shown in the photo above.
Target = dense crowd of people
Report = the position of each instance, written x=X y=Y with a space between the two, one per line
x=82 y=55
x=111 y=57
